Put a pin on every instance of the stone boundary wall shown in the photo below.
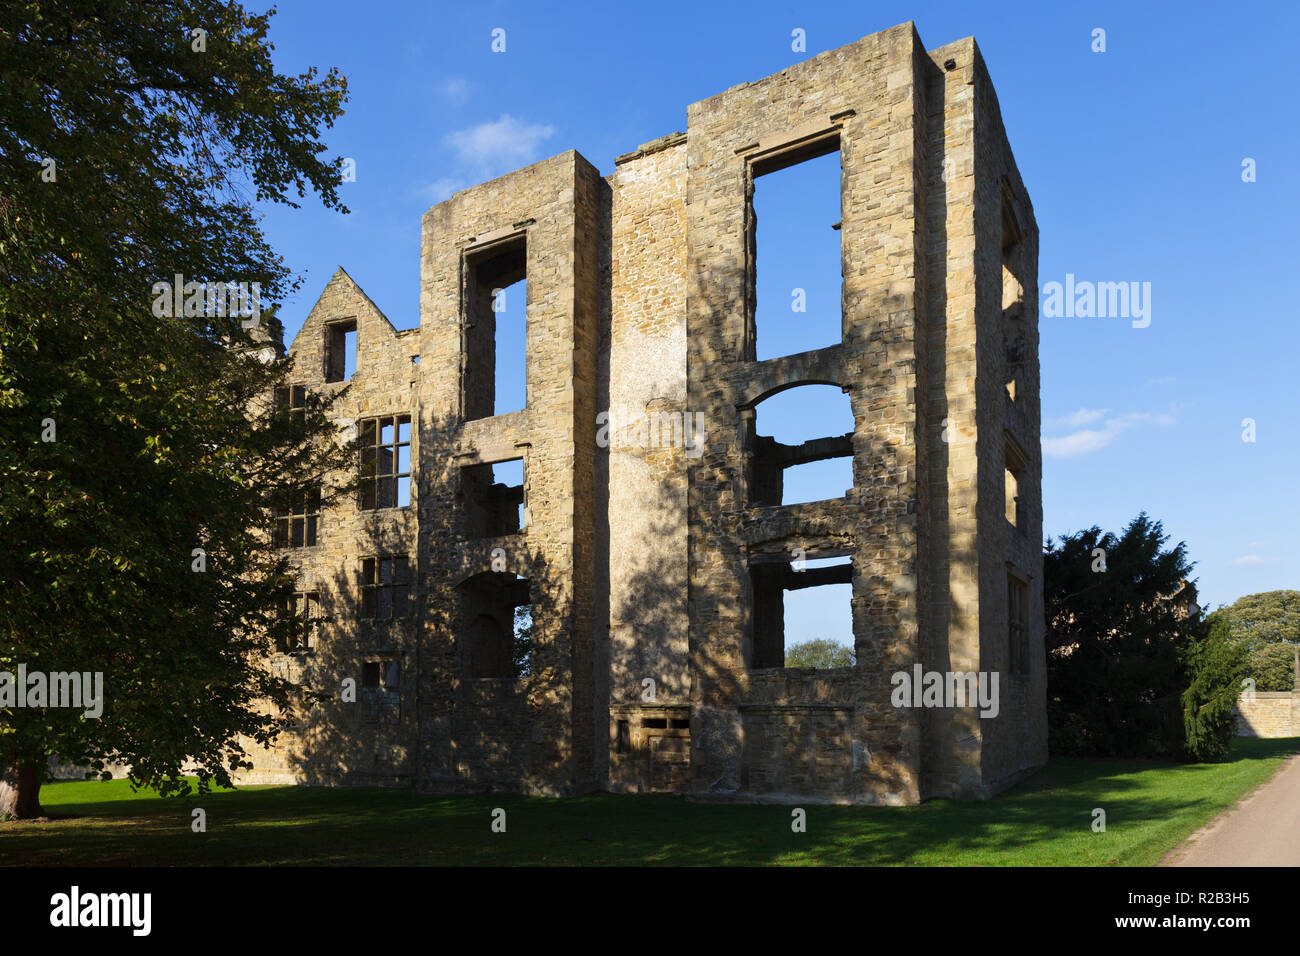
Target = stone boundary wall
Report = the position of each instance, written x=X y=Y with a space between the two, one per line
x=1270 y=714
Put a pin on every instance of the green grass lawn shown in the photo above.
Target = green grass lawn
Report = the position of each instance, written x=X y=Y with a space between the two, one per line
x=1150 y=808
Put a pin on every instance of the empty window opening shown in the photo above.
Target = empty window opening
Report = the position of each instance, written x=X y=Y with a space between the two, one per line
x=1013 y=300
x=385 y=588
x=382 y=675
x=1014 y=484
x=796 y=278
x=812 y=626
x=494 y=376
x=303 y=610
x=499 y=637
x=1012 y=496
x=523 y=640
x=385 y=462
x=381 y=697
x=1013 y=334
x=1017 y=616
x=340 y=350
x=624 y=744
x=655 y=723
x=790 y=466
x=296 y=525
x=493 y=498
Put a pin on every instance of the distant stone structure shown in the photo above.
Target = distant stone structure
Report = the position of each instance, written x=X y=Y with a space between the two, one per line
x=1271 y=713
x=616 y=621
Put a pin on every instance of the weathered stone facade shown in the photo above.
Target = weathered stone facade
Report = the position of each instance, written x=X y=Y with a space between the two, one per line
x=1269 y=714
x=654 y=570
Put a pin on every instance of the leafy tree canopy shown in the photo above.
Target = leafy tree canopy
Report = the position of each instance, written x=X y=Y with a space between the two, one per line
x=1265 y=618
x=820 y=653
x=135 y=138
x=1121 y=635
x=1215 y=663
x=1272 y=666
x=1268 y=624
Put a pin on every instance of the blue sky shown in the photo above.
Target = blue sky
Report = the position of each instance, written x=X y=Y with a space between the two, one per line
x=1132 y=158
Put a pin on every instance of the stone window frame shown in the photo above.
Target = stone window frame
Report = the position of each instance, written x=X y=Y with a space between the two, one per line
x=757 y=653
x=369 y=497
x=1013 y=296
x=381 y=700
x=764 y=450
x=374 y=589
x=334 y=366
x=468 y=650
x=293 y=399
x=301 y=515
x=487 y=245
x=298 y=520
x=487 y=458
x=1017 y=622
x=1015 y=467
x=773 y=154
x=304 y=604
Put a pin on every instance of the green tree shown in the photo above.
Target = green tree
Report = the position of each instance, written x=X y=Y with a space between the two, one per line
x=134 y=138
x=1265 y=618
x=1269 y=625
x=1216 y=663
x=819 y=653
x=1116 y=642
x=1272 y=666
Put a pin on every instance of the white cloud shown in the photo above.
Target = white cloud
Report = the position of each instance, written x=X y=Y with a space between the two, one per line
x=1084 y=416
x=1248 y=559
x=1094 y=439
x=1166 y=380
x=499 y=145
x=1078 y=443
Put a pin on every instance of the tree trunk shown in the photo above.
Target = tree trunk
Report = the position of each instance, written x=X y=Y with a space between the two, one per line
x=20 y=791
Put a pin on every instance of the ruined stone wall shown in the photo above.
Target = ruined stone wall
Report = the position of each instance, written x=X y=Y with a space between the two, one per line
x=1008 y=431
x=972 y=181
x=952 y=638
x=647 y=461
x=368 y=740
x=648 y=523
x=865 y=95
x=536 y=733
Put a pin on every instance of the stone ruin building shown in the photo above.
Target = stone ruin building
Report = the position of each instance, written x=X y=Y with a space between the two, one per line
x=651 y=577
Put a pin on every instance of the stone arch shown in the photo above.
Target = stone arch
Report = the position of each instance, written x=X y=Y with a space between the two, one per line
x=787 y=437
x=488 y=606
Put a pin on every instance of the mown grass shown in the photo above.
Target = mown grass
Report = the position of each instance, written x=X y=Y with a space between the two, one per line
x=1046 y=821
